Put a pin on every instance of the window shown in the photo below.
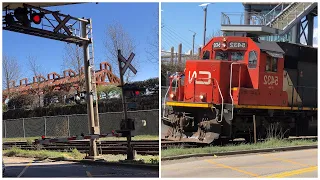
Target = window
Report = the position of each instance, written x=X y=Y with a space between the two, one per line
x=206 y=55
x=253 y=58
x=221 y=55
x=182 y=80
x=272 y=64
x=237 y=56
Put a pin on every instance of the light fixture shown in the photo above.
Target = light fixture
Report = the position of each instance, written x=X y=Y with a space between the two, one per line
x=202 y=97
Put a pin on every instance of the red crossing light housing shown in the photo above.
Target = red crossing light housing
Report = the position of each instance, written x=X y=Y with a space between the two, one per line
x=36 y=17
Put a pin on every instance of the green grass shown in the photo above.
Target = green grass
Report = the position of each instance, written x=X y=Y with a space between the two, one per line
x=271 y=143
x=140 y=159
x=74 y=155
x=139 y=137
x=43 y=154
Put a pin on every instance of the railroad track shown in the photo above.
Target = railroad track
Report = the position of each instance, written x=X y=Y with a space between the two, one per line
x=181 y=144
x=145 y=147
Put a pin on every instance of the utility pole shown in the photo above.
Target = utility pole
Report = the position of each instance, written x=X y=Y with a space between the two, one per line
x=89 y=93
x=205 y=7
x=205 y=26
x=193 y=37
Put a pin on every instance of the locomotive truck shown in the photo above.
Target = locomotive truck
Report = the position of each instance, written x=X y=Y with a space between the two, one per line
x=237 y=80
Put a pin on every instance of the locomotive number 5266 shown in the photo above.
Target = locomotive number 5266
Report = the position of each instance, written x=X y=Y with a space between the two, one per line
x=270 y=80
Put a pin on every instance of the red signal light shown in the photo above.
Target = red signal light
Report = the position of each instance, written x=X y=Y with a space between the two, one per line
x=137 y=93
x=36 y=18
x=42 y=137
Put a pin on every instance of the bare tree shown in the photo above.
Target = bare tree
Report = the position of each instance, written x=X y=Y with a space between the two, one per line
x=11 y=71
x=73 y=59
x=153 y=42
x=117 y=38
x=37 y=72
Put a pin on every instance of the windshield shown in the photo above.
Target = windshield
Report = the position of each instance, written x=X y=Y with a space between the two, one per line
x=237 y=56
x=231 y=56
x=220 y=55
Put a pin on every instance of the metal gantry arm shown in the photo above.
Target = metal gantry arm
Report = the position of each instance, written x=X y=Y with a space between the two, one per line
x=54 y=25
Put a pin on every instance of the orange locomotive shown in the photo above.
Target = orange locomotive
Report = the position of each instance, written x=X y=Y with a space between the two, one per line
x=238 y=77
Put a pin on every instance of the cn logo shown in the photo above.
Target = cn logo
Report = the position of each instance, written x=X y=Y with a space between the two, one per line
x=205 y=80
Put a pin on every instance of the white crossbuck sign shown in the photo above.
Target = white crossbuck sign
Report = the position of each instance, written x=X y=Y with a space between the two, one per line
x=127 y=64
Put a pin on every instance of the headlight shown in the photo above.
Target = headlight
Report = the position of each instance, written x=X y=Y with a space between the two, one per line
x=201 y=97
x=171 y=95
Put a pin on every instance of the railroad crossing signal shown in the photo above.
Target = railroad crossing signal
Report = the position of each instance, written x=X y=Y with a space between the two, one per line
x=127 y=64
x=62 y=23
x=126 y=122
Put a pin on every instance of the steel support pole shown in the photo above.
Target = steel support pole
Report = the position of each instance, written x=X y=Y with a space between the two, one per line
x=45 y=126
x=310 y=19
x=247 y=9
x=295 y=33
x=68 y=125
x=24 y=131
x=124 y=105
x=205 y=26
x=5 y=129
x=89 y=93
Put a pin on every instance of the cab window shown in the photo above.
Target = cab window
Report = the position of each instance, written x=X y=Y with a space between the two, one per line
x=182 y=80
x=220 y=55
x=272 y=64
x=237 y=56
x=206 y=55
x=253 y=58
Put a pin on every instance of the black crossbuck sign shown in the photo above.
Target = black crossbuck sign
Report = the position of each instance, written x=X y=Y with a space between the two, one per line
x=127 y=64
x=62 y=24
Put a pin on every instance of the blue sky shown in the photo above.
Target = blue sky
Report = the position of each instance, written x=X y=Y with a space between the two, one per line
x=179 y=18
x=138 y=19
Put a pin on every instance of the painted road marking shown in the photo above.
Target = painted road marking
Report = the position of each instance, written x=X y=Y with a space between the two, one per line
x=282 y=159
x=24 y=169
x=294 y=172
x=233 y=168
x=89 y=174
x=210 y=167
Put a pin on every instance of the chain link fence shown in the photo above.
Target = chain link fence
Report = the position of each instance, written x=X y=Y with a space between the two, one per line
x=146 y=123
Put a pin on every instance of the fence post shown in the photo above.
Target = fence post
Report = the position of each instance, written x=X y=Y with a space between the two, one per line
x=5 y=129
x=45 y=126
x=24 y=131
x=68 y=126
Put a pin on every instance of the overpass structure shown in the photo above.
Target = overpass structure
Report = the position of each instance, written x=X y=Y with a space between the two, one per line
x=273 y=21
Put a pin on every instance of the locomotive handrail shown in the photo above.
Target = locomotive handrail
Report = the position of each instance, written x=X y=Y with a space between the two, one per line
x=165 y=97
x=222 y=100
x=230 y=89
x=164 y=103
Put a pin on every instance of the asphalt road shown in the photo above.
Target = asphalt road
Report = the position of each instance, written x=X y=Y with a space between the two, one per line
x=22 y=167
x=295 y=164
